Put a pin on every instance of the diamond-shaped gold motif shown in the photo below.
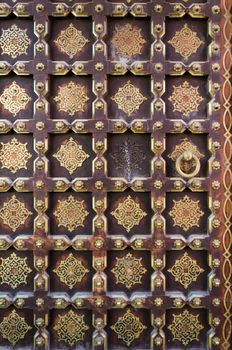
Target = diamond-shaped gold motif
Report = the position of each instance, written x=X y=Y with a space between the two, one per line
x=14 y=213
x=186 y=270
x=14 y=41
x=185 y=327
x=128 y=98
x=13 y=328
x=14 y=155
x=128 y=213
x=14 y=98
x=71 y=41
x=128 y=327
x=186 y=213
x=71 y=155
x=185 y=98
x=70 y=271
x=128 y=40
x=71 y=328
x=71 y=213
x=72 y=98
x=14 y=270
x=185 y=42
x=128 y=270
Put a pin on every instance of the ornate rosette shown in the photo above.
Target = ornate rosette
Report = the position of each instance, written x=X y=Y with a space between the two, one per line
x=13 y=328
x=14 y=155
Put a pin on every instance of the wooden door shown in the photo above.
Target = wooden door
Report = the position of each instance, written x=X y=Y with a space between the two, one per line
x=115 y=175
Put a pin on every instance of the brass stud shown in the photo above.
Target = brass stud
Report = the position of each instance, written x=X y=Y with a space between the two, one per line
x=197 y=243
x=216 y=302
x=39 y=184
x=98 y=8
x=216 y=341
x=99 y=204
x=158 y=144
x=2 y=243
x=215 y=9
x=40 y=8
x=99 y=66
x=196 y=302
x=196 y=67
x=39 y=341
x=20 y=302
x=158 y=67
x=99 y=47
x=99 y=165
x=79 y=302
x=2 y=126
x=215 y=28
x=60 y=8
x=59 y=243
x=138 y=184
x=20 y=8
x=196 y=184
x=215 y=48
x=177 y=8
x=40 y=28
x=158 y=322
x=40 y=47
x=98 y=322
x=40 y=223
x=40 y=282
x=178 y=243
x=216 y=185
x=39 y=145
x=216 y=282
x=118 y=185
x=158 y=282
x=40 y=126
x=138 y=9
x=40 y=105
x=99 y=264
x=157 y=28
x=39 y=243
x=138 y=126
x=216 y=106
x=216 y=204
x=59 y=303
x=216 y=145
x=19 y=184
x=99 y=86
x=159 y=243
x=216 y=263
x=20 y=126
x=40 y=67
x=158 y=105
x=158 y=47
x=99 y=243
x=216 y=223
x=99 y=223
x=215 y=67
x=216 y=321
x=99 y=105
x=99 y=28
x=158 y=164
x=158 y=184
x=216 y=243
x=99 y=125
x=158 y=302
x=99 y=185
x=138 y=67
x=99 y=302
x=158 y=125
x=79 y=243
x=158 y=8
x=39 y=322
x=79 y=185
x=138 y=243
x=79 y=126
x=118 y=243
x=79 y=8
x=79 y=67
x=216 y=165
x=118 y=125
x=216 y=125
x=177 y=126
x=177 y=67
x=40 y=263
x=40 y=86
x=99 y=145
x=118 y=9
x=177 y=185
x=196 y=9
x=177 y=302
x=158 y=263
x=118 y=67
x=39 y=302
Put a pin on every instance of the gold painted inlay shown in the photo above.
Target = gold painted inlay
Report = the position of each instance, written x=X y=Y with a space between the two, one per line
x=71 y=213
x=185 y=327
x=128 y=98
x=14 y=41
x=71 y=41
x=128 y=270
x=14 y=155
x=185 y=42
x=14 y=98
x=128 y=214
x=71 y=271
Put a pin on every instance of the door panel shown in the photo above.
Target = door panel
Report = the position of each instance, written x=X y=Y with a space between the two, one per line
x=115 y=175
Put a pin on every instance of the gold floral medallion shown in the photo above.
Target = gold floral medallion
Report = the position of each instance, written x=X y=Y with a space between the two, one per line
x=185 y=42
x=13 y=328
x=70 y=271
x=185 y=145
x=71 y=41
x=71 y=213
x=185 y=327
x=14 y=41
x=185 y=98
x=14 y=270
x=14 y=213
x=128 y=98
x=128 y=270
x=186 y=213
x=71 y=155
x=128 y=214
x=71 y=328
x=14 y=155
x=14 y=98
x=128 y=327
x=72 y=98
x=128 y=40
x=185 y=270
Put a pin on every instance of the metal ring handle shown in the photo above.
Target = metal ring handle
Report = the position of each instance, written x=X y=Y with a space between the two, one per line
x=187 y=156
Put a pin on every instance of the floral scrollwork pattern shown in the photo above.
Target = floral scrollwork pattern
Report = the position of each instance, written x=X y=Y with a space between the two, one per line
x=14 y=155
x=14 y=98
x=14 y=41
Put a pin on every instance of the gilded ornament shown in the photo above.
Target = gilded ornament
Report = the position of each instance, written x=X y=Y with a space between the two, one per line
x=71 y=41
x=185 y=42
x=185 y=327
x=186 y=213
x=14 y=98
x=128 y=213
x=185 y=270
x=128 y=327
x=128 y=40
x=71 y=271
x=14 y=155
x=14 y=41
x=128 y=270
x=13 y=328
x=128 y=98
x=71 y=213
x=72 y=98
x=14 y=213
x=185 y=98
x=71 y=328
x=14 y=270
x=71 y=155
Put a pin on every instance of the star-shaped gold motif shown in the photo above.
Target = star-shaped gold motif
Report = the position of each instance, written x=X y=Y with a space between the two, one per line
x=128 y=98
x=71 y=155
x=14 y=41
x=71 y=41
x=71 y=328
x=128 y=270
x=72 y=98
x=128 y=40
x=185 y=42
x=14 y=155
x=128 y=327
x=70 y=271
x=128 y=213
x=185 y=327
x=185 y=270
x=71 y=213
x=14 y=213
x=186 y=213
x=13 y=328
x=185 y=99
x=14 y=98
x=14 y=270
